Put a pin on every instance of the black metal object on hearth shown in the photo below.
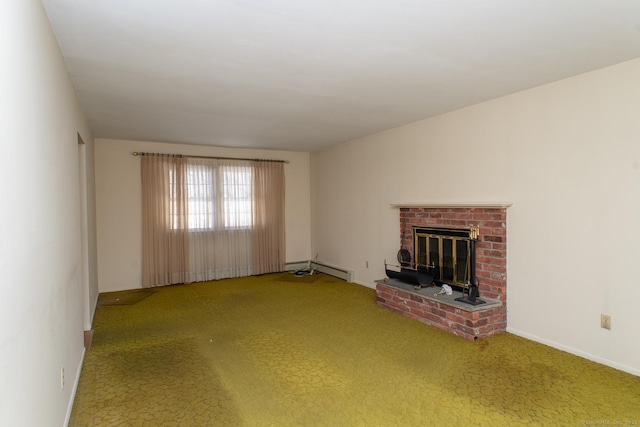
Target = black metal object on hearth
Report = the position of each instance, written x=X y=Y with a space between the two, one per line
x=473 y=291
x=418 y=276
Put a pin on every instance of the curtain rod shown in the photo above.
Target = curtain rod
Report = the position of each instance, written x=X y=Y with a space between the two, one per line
x=136 y=153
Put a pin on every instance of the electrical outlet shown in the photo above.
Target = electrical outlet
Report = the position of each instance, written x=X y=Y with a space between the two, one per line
x=367 y=264
x=62 y=377
x=605 y=321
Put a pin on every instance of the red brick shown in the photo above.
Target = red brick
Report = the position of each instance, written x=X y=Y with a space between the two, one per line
x=402 y=294
x=439 y=313
x=491 y=282
x=417 y=311
x=492 y=267
x=502 y=262
x=486 y=329
x=396 y=304
x=413 y=304
x=456 y=318
x=466 y=330
x=493 y=253
x=431 y=317
x=496 y=318
x=483 y=217
x=447 y=308
x=384 y=295
x=479 y=322
x=463 y=215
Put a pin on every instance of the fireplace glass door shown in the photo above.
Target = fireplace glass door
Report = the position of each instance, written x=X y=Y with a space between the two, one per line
x=445 y=250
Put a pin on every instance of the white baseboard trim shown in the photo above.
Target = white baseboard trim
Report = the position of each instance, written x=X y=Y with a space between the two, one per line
x=297 y=265
x=72 y=398
x=338 y=272
x=576 y=352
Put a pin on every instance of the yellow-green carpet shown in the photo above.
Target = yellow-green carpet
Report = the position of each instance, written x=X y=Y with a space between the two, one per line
x=279 y=350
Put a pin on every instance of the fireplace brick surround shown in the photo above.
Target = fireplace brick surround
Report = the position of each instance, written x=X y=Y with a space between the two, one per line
x=470 y=322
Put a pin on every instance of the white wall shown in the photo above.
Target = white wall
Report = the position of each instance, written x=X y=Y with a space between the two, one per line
x=119 y=210
x=41 y=309
x=567 y=155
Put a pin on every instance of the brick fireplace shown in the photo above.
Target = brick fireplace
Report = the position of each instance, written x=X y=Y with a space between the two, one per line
x=470 y=322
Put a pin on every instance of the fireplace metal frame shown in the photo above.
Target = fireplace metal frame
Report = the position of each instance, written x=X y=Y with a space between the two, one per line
x=455 y=237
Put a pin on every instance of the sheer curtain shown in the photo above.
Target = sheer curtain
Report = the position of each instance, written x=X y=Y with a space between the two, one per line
x=229 y=215
x=219 y=219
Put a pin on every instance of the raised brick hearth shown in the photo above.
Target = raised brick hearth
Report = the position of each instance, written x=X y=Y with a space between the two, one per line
x=470 y=322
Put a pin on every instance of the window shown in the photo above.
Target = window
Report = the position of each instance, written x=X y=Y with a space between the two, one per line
x=219 y=197
x=208 y=219
x=236 y=196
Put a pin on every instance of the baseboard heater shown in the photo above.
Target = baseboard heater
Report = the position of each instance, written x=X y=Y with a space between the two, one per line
x=340 y=273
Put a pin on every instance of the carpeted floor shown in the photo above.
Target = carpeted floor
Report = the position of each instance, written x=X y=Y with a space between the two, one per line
x=279 y=350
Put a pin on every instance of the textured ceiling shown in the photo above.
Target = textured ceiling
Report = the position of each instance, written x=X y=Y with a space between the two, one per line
x=304 y=74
